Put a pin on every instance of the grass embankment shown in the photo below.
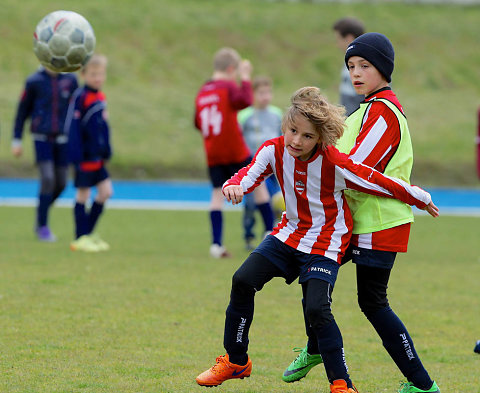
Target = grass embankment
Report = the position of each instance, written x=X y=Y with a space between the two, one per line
x=160 y=52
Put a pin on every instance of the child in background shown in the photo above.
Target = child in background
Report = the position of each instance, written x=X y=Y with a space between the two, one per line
x=377 y=135
x=45 y=100
x=313 y=235
x=346 y=30
x=89 y=149
x=260 y=122
x=216 y=106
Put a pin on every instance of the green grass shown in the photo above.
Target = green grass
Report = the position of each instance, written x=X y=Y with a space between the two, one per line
x=160 y=52
x=148 y=315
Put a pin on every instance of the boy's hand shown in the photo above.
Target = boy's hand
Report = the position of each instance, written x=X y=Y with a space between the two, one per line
x=233 y=194
x=432 y=209
x=245 y=70
x=17 y=150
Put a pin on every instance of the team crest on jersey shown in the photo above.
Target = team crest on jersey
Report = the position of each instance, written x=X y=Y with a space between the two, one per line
x=300 y=186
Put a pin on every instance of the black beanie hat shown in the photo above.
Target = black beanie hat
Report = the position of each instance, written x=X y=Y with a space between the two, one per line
x=377 y=49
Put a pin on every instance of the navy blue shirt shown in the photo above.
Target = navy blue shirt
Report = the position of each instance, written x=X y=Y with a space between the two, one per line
x=45 y=100
x=87 y=127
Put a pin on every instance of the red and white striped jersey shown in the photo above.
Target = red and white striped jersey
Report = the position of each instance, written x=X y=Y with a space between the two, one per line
x=376 y=143
x=317 y=219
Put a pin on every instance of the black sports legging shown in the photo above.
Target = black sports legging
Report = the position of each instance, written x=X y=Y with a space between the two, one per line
x=53 y=179
x=250 y=278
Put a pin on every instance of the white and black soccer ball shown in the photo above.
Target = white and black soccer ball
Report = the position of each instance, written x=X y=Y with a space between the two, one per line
x=63 y=41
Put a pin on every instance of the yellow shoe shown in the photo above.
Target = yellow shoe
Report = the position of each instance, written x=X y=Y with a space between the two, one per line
x=102 y=244
x=84 y=243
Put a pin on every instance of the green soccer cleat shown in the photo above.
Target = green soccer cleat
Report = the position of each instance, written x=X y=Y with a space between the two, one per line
x=409 y=388
x=300 y=367
x=102 y=244
x=84 y=243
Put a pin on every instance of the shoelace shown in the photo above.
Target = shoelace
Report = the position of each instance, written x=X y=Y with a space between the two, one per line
x=404 y=386
x=301 y=356
x=221 y=361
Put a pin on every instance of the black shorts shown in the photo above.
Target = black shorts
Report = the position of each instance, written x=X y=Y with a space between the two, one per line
x=294 y=263
x=372 y=258
x=219 y=174
x=84 y=179
x=51 y=151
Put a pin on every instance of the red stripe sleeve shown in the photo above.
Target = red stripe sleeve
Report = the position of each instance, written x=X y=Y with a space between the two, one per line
x=379 y=137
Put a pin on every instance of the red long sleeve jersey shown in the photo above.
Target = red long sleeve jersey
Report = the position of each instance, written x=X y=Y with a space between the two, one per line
x=375 y=145
x=216 y=107
x=317 y=219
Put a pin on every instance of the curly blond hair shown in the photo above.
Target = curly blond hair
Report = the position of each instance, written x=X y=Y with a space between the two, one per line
x=327 y=119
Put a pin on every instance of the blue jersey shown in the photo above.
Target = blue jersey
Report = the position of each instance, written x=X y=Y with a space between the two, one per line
x=45 y=100
x=87 y=128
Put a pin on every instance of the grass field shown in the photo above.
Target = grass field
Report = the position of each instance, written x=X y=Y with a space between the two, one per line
x=148 y=315
x=160 y=53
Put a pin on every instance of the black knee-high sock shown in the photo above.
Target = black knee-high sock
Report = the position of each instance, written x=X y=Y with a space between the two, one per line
x=330 y=344
x=81 y=220
x=216 y=219
x=399 y=345
x=44 y=202
x=95 y=212
x=237 y=324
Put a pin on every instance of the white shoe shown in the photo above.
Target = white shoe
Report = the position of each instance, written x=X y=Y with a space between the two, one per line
x=218 y=251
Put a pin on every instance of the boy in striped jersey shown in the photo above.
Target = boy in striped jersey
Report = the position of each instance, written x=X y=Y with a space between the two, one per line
x=377 y=135
x=312 y=236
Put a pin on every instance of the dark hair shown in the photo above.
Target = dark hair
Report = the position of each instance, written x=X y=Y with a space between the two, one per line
x=349 y=25
x=261 y=81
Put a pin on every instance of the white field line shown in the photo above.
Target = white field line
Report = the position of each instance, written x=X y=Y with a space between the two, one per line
x=135 y=204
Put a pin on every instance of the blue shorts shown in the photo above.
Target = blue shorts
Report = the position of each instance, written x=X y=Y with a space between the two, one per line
x=84 y=179
x=51 y=151
x=294 y=263
x=219 y=174
x=372 y=258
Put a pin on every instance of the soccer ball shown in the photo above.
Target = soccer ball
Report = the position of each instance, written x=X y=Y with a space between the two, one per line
x=63 y=41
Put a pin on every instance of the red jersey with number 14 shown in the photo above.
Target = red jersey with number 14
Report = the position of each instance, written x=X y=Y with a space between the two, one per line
x=216 y=107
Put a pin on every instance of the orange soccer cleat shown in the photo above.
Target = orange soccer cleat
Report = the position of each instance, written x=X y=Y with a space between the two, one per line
x=222 y=371
x=340 y=386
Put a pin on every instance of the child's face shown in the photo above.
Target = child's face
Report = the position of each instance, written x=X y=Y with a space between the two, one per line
x=343 y=42
x=365 y=77
x=301 y=138
x=263 y=96
x=95 y=75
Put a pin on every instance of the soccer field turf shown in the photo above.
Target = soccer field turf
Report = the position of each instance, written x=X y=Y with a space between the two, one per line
x=148 y=315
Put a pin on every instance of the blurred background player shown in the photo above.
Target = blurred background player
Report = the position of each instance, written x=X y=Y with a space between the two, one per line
x=216 y=107
x=346 y=30
x=260 y=122
x=89 y=148
x=45 y=100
